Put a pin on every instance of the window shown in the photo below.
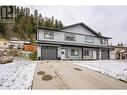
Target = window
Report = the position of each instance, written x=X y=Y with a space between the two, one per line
x=87 y=52
x=70 y=37
x=48 y=34
x=74 y=52
x=102 y=41
x=89 y=39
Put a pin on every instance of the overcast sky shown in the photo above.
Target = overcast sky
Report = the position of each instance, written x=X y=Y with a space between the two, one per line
x=111 y=21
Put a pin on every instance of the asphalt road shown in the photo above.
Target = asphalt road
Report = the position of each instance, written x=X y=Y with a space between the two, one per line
x=64 y=75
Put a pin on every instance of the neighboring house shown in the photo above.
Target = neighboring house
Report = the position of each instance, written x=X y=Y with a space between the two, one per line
x=77 y=41
x=118 y=52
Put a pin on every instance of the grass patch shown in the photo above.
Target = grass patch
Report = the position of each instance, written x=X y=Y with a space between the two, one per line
x=33 y=56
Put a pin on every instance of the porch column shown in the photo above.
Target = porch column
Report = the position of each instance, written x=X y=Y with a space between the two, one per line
x=100 y=54
x=39 y=52
x=120 y=55
x=58 y=51
x=82 y=52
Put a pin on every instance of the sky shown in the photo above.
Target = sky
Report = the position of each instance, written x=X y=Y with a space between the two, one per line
x=111 y=21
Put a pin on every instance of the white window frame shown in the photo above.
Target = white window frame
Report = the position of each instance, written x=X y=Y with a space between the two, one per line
x=102 y=41
x=89 y=39
x=76 y=52
x=49 y=36
x=71 y=35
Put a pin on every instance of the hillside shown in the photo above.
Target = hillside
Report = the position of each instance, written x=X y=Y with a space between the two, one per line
x=25 y=23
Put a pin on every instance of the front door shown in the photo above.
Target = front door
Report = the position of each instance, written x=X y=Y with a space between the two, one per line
x=63 y=54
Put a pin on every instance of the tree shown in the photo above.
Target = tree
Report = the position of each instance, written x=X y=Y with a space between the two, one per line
x=56 y=24
x=26 y=23
x=121 y=44
x=60 y=24
x=118 y=44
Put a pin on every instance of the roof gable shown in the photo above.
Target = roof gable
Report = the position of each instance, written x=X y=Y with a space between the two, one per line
x=90 y=30
x=83 y=25
x=78 y=24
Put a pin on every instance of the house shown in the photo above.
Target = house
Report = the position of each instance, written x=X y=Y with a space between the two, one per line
x=77 y=41
x=118 y=52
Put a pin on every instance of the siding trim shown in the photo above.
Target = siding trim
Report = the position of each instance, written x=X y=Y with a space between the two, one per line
x=73 y=44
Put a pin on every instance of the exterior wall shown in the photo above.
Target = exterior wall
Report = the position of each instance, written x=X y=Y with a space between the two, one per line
x=69 y=56
x=59 y=36
x=92 y=51
x=79 y=29
x=113 y=54
x=80 y=33
x=100 y=54
x=68 y=52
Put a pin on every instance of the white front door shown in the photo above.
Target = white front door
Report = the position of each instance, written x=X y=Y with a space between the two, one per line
x=94 y=55
x=63 y=54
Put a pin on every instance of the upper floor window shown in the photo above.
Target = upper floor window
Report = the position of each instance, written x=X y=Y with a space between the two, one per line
x=102 y=41
x=70 y=37
x=48 y=34
x=89 y=39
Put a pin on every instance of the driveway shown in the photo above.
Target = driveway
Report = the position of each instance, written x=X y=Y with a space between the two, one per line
x=55 y=74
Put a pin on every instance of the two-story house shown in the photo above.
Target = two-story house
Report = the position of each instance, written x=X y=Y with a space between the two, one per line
x=77 y=41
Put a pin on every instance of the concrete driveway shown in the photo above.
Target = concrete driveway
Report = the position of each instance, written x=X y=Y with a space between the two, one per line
x=61 y=74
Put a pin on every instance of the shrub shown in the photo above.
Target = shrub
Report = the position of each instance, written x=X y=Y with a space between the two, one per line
x=14 y=52
x=33 y=56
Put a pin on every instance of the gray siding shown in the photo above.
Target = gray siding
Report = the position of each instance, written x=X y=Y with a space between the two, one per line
x=79 y=29
x=68 y=53
x=60 y=37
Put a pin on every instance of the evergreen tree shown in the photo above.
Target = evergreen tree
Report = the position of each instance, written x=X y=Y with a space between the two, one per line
x=118 y=44
x=56 y=24
x=121 y=44
x=26 y=23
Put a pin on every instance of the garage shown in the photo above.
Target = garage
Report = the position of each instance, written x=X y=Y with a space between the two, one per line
x=48 y=53
x=105 y=54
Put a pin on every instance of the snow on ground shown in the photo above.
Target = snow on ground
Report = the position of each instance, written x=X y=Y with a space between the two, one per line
x=17 y=74
x=113 y=68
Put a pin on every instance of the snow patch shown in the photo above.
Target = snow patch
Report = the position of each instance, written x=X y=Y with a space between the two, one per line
x=17 y=74
x=113 y=68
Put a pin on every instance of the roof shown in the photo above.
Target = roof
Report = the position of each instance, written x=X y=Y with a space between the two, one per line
x=82 y=24
x=73 y=44
x=122 y=51
x=118 y=46
x=87 y=27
